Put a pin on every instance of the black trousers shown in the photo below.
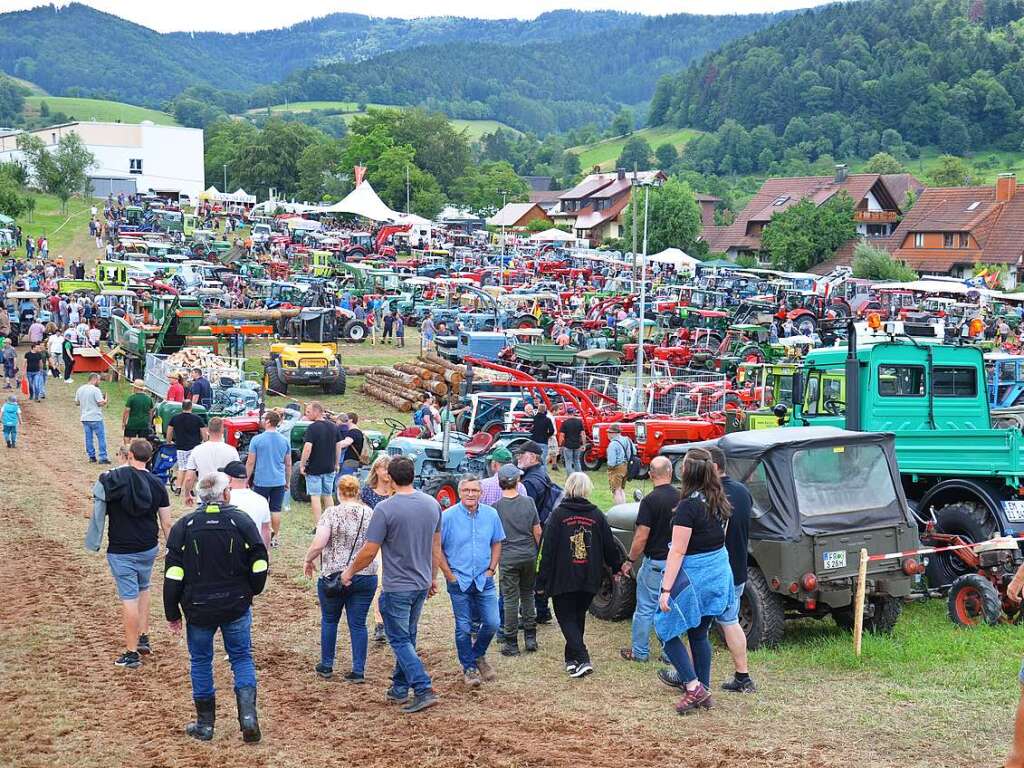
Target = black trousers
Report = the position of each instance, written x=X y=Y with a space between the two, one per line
x=69 y=363
x=571 y=612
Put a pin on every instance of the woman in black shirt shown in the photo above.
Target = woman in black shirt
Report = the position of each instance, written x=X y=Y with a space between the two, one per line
x=691 y=604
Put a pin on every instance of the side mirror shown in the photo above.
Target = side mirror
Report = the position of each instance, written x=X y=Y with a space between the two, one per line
x=638 y=495
x=798 y=389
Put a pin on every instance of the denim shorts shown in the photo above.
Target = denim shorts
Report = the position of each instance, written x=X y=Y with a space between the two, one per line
x=132 y=571
x=732 y=615
x=274 y=494
x=320 y=485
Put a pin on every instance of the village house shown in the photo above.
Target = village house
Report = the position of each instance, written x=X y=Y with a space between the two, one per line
x=950 y=229
x=878 y=201
x=519 y=216
x=594 y=207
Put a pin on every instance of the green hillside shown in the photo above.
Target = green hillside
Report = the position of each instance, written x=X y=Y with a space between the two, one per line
x=97 y=109
x=605 y=153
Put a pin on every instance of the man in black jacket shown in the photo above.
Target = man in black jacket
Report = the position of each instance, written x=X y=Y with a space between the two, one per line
x=545 y=495
x=216 y=562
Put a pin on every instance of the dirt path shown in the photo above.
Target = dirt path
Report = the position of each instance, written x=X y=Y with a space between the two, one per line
x=63 y=703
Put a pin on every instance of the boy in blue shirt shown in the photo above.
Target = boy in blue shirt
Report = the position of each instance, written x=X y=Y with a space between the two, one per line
x=10 y=417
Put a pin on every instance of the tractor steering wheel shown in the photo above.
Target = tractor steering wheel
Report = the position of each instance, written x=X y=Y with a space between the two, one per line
x=834 y=407
x=394 y=424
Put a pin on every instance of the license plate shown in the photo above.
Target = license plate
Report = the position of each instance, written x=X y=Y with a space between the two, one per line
x=1014 y=511
x=832 y=560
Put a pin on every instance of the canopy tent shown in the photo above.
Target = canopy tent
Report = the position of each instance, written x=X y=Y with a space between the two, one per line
x=410 y=219
x=238 y=196
x=364 y=201
x=6 y=221
x=674 y=256
x=211 y=193
x=552 y=236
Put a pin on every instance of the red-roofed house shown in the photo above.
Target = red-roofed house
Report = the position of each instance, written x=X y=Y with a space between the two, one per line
x=949 y=229
x=519 y=215
x=593 y=208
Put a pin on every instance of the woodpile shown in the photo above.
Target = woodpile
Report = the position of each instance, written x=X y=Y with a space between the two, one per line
x=402 y=385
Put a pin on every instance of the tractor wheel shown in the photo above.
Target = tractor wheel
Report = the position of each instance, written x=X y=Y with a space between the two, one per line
x=807 y=325
x=493 y=429
x=883 y=614
x=967 y=519
x=677 y=470
x=841 y=309
x=525 y=321
x=336 y=387
x=751 y=353
x=298 y=485
x=616 y=598
x=591 y=462
x=972 y=600
x=274 y=381
x=733 y=402
x=445 y=489
x=354 y=331
x=762 y=614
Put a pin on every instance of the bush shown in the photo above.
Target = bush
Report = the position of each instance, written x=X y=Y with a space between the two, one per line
x=871 y=263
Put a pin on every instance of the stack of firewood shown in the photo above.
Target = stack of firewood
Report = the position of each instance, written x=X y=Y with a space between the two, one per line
x=403 y=384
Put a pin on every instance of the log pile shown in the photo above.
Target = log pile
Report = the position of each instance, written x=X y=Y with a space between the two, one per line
x=402 y=385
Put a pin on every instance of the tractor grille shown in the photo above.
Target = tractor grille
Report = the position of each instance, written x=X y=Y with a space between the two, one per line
x=395 y=452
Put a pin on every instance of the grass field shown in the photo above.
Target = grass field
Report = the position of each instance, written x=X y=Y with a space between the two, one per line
x=985 y=165
x=605 y=153
x=32 y=87
x=67 y=233
x=97 y=109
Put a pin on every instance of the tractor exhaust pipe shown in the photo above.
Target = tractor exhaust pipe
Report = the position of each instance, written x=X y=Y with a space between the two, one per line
x=853 y=420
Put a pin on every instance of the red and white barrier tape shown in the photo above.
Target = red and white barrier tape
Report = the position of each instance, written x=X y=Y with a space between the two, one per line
x=932 y=550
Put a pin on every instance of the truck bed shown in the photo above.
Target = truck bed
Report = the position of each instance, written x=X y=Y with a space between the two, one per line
x=977 y=452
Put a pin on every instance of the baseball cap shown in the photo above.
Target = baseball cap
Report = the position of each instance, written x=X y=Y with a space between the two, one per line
x=614 y=428
x=509 y=472
x=504 y=455
x=531 y=447
x=235 y=469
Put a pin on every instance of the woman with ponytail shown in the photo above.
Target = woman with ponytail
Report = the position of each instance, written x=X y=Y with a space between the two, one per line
x=692 y=596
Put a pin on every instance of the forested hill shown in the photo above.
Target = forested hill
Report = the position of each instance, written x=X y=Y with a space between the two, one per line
x=594 y=57
x=943 y=72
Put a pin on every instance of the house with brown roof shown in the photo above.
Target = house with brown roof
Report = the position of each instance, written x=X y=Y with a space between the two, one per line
x=878 y=201
x=515 y=215
x=950 y=229
x=593 y=208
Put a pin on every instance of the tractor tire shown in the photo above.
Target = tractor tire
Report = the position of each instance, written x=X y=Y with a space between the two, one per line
x=590 y=462
x=273 y=381
x=336 y=387
x=884 y=615
x=972 y=600
x=616 y=599
x=807 y=325
x=751 y=353
x=354 y=331
x=762 y=614
x=525 y=321
x=445 y=489
x=733 y=402
x=841 y=309
x=967 y=519
x=298 y=486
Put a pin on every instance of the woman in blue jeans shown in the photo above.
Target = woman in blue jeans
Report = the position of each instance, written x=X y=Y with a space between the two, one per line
x=341 y=533
x=692 y=596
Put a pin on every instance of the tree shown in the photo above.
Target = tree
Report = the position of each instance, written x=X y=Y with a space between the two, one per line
x=805 y=234
x=271 y=158
x=954 y=137
x=883 y=162
x=389 y=173
x=636 y=153
x=673 y=219
x=12 y=101
x=667 y=156
x=570 y=167
x=480 y=189
x=12 y=203
x=319 y=168
x=63 y=172
x=871 y=263
x=951 y=171
x=624 y=123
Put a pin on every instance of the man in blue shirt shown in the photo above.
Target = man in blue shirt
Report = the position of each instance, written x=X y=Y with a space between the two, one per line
x=470 y=547
x=269 y=465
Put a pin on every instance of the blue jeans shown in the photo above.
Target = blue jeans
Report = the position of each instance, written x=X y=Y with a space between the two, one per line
x=97 y=430
x=466 y=605
x=648 y=590
x=237 y=637
x=573 y=458
x=355 y=603
x=11 y=433
x=401 y=612
x=700 y=646
x=36 y=385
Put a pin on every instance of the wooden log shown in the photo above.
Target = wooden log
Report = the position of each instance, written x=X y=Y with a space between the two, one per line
x=402 y=405
x=389 y=385
x=360 y=370
x=407 y=379
x=415 y=370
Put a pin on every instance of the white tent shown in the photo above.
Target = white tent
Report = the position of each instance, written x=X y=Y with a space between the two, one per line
x=363 y=201
x=674 y=256
x=552 y=236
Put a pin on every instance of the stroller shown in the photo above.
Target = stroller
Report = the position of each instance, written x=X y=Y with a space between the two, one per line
x=163 y=463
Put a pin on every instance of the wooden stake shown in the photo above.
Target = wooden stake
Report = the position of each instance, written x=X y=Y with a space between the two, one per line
x=858 y=603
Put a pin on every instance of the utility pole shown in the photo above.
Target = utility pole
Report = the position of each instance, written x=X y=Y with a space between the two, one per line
x=633 y=206
x=225 y=178
x=643 y=298
x=407 y=188
x=501 y=270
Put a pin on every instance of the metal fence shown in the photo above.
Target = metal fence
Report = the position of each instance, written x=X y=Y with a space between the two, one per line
x=667 y=392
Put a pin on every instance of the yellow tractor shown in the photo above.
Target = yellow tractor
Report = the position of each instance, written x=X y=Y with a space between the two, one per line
x=308 y=356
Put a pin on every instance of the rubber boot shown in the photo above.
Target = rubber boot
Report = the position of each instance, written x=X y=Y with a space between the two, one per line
x=206 y=713
x=245 y=698
x=510 y=645
x=531 y=640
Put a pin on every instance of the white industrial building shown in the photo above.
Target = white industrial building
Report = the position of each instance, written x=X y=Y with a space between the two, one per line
x=130 y=158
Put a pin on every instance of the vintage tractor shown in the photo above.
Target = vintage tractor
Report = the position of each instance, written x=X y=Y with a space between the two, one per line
x=310 y=358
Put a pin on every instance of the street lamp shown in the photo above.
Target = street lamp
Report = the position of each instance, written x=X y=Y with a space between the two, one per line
x=646 y=184
x=225 y=177
x=501 y=264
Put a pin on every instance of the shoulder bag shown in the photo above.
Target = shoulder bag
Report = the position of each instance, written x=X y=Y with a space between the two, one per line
x=331 y=584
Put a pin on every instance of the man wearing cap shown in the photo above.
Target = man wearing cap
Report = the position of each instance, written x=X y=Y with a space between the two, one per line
x=490 y=491
x=518 y=515
x=250 y=502
x=545 y=495
x=620 y=451
x=138 y=412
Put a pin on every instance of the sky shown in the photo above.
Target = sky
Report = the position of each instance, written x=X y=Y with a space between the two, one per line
x=247 y=16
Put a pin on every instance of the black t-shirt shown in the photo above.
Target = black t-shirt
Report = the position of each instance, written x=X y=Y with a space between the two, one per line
x=541 y=429
x=138 y=530
x=707 y=533
x=188 y=430
x=203 y=391
x=656 y=512
x=34 y=362
x=353 y=451
x=572 y=431
x=323 y=436
x=738 y=534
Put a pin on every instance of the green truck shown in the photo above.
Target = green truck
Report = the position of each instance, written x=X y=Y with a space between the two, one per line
x=176 y=323
x=962 y=474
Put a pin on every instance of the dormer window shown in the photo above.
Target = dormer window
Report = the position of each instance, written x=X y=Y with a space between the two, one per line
x=781 y=200
x=973 y=205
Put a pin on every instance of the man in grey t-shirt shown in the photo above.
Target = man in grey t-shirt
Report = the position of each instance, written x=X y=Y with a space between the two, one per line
x=406 y=529
x=90 y=401
x=518 y=563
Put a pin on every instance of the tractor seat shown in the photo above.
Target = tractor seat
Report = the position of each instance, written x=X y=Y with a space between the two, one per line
x=413 y=431
x=478 y=444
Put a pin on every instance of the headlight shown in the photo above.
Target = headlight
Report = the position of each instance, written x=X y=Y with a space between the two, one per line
x=641 y=432
x=596 y=433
